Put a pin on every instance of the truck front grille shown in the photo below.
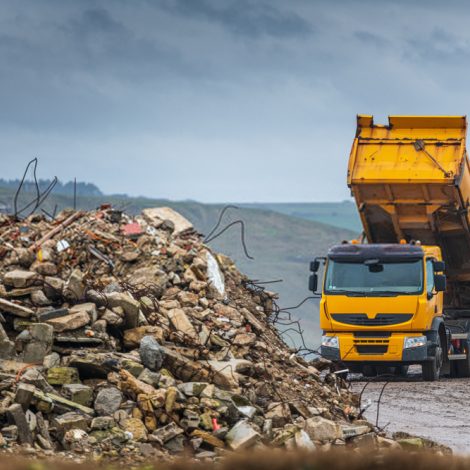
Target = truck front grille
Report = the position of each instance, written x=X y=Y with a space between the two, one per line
x=382 y=319
x=376 y=349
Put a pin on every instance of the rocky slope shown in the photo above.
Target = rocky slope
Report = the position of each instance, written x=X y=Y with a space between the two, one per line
x=128 y=338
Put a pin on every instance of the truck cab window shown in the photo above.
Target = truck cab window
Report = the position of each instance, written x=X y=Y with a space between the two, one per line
x=429 y=276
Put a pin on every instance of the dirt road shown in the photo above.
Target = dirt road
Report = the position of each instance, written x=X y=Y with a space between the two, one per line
x=436 y=410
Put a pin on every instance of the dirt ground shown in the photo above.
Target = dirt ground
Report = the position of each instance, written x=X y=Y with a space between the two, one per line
x=435 y=410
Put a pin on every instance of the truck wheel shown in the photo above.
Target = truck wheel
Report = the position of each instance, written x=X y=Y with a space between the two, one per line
x=432 y=368
x=463 y=367
x=369 y=371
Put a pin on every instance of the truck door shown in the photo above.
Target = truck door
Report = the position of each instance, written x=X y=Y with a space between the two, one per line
x=432 y=309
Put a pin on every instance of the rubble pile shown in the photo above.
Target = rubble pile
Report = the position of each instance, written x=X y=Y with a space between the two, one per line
x=127 y=337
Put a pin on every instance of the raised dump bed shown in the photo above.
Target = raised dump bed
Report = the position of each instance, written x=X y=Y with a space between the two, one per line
x=411 y=181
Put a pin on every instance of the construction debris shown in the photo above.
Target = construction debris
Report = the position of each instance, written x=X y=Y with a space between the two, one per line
x=126 y=337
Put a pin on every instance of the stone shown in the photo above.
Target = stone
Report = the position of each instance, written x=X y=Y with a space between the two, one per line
x=151 y=353
x=192 y=389
x=15 y=309
x=53 y=287
x=10 y=433
x=303 y=441
x=181 y=322
x=62 y=375
x=70 y=420
x=157 y=215
x=108 y=400
x=364 y=440
x=136 y=427
x=184 y=368
x=88 y=307
x=133 y=336
x=132 y=386
x=208 y=438
x=229 y=312
x=113 y=319
x=242 y=436
x=38 y=297
x=75 y=285
x=149 y=377
x=321 y=429
x=70 y=322
x=244 y=339
x=387 y=443
x=24 y=394
x=78 y=393
x=102 y=422
x=76 y=440
x=188 y=299
x=226 y=373
x=18 y=278
x=166 y=433
x=411 y=443
x=130 y=306
x=7 y=347
x=37 y=343
x=278 y=413
x=17 y=416
x=51 y=360
x=353 y=431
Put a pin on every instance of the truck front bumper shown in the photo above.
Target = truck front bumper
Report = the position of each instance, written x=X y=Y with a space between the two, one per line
x=390 y=350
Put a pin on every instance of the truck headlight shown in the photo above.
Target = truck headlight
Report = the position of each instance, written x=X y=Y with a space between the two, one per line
x=415 y=341
x=330 y=341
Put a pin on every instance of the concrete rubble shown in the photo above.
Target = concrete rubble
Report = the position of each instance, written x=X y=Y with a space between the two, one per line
x=127 y=337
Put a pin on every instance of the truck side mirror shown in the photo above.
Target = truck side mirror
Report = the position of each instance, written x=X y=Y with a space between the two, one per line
x=314 y=266
x=439 y=266
x=440 y=282
x=313 y=282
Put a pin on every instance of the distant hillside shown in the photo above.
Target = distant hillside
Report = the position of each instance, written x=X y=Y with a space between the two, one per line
x=282 y=245
x=67 y=189
x=340 y=214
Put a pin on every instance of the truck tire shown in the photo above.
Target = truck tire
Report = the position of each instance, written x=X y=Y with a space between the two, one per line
x=432 y=368
x=369 y=371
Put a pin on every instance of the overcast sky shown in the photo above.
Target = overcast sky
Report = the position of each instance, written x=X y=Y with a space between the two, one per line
x=218 y=100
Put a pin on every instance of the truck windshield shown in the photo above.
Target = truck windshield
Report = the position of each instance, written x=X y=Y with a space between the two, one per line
x=387 y=278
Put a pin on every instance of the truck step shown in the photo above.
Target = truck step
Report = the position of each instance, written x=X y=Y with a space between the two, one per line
x=459 y=336
x=457 y=357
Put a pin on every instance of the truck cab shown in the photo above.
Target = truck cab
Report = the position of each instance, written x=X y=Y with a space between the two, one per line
x=382 y=306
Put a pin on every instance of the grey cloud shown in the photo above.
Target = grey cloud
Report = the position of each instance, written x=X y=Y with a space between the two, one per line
x=243 y=17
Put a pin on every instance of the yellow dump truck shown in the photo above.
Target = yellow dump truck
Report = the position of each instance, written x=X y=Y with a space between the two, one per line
x=401 y=294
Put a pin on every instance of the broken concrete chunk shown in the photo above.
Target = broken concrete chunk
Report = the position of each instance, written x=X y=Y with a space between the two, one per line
x=157 y=215
x=108 y=401
x=70 y=322
x=165 y=433
x=88 y=307
x=242 y=436
x=19 y=279
x=24 y=394
x=17 y=416
x=62 y=375
x=181 y=322
x=78 y=393
x=75 y=286
x=151 y=353
x=133 y=336
x=321 y=429
x=71 y=420
x=15 y=309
